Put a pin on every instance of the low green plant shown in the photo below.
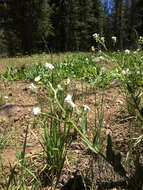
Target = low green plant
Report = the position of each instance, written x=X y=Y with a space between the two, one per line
x=81 y=67
x=13 y=181
x=131 y=71
x=100 y=40
x=55 y=135
x=4 y=138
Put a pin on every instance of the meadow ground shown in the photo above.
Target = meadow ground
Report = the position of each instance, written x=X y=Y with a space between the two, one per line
x=112 y=124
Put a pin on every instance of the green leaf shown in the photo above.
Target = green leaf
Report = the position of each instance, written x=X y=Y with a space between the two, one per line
x=95 y=140
x=84 y=125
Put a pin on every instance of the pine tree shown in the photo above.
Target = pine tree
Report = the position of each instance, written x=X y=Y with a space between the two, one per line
x=120 y=19
x=74 y=22
x=25 y=25
x=107 y=25
x=137 y=16
x=57 y=19
x=81 y=25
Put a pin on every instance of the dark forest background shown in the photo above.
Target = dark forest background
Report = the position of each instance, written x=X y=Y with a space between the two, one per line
x=35 y=26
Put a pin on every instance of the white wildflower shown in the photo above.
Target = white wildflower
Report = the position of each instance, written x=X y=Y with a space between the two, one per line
x=95 y=35
x=141 y=39
x=125 y=71
x=103 y=69
x=114 y=38
x=37 y=79
x=72 y=104
x=138 y=72
x=36 y=110
x=127 y=51
x=59 y=87
x=32 y=86
x=86 y=59
x=92 y=48
x=86 y=108
x=68 y=81
x=68 y=100
x=6 y=97
x=93 y=58
x=100 y=58
x=49 y=66
x=116 y=70
x=102 y=39
x=114 y=74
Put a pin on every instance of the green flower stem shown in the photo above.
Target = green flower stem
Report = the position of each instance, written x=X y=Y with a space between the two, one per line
x=56 y=99
x=89 y=144
x=94 y=149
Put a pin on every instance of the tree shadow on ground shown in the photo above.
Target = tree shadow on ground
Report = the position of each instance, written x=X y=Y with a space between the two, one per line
x=76 y=183
x=134 y=181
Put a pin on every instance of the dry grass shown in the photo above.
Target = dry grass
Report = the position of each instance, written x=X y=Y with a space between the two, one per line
x=37 y=58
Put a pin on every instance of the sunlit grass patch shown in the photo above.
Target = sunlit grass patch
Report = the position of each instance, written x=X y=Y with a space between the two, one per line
x=36 y=58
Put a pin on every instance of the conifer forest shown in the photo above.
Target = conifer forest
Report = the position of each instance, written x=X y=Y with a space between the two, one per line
x=32 y=26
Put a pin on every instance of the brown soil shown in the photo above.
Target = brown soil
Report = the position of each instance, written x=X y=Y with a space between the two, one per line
x=115 y=124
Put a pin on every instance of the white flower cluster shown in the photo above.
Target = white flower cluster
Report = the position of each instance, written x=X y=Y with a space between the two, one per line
x=114 y=38
x=86 y=108
x=32 y=86
x=49 y=66
x=95 y=35
x=103 y=69
x=92 y=48
x=36 y=110
x=68 y=101
x=98 y=38
x=124 y=72
x=140 y=40
x=86 y=59
x=127 y=51
x=98 y=59
x=68 y=81
x=37 y=78
x=6 y=97
x=135 y=52
x=102 y=39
